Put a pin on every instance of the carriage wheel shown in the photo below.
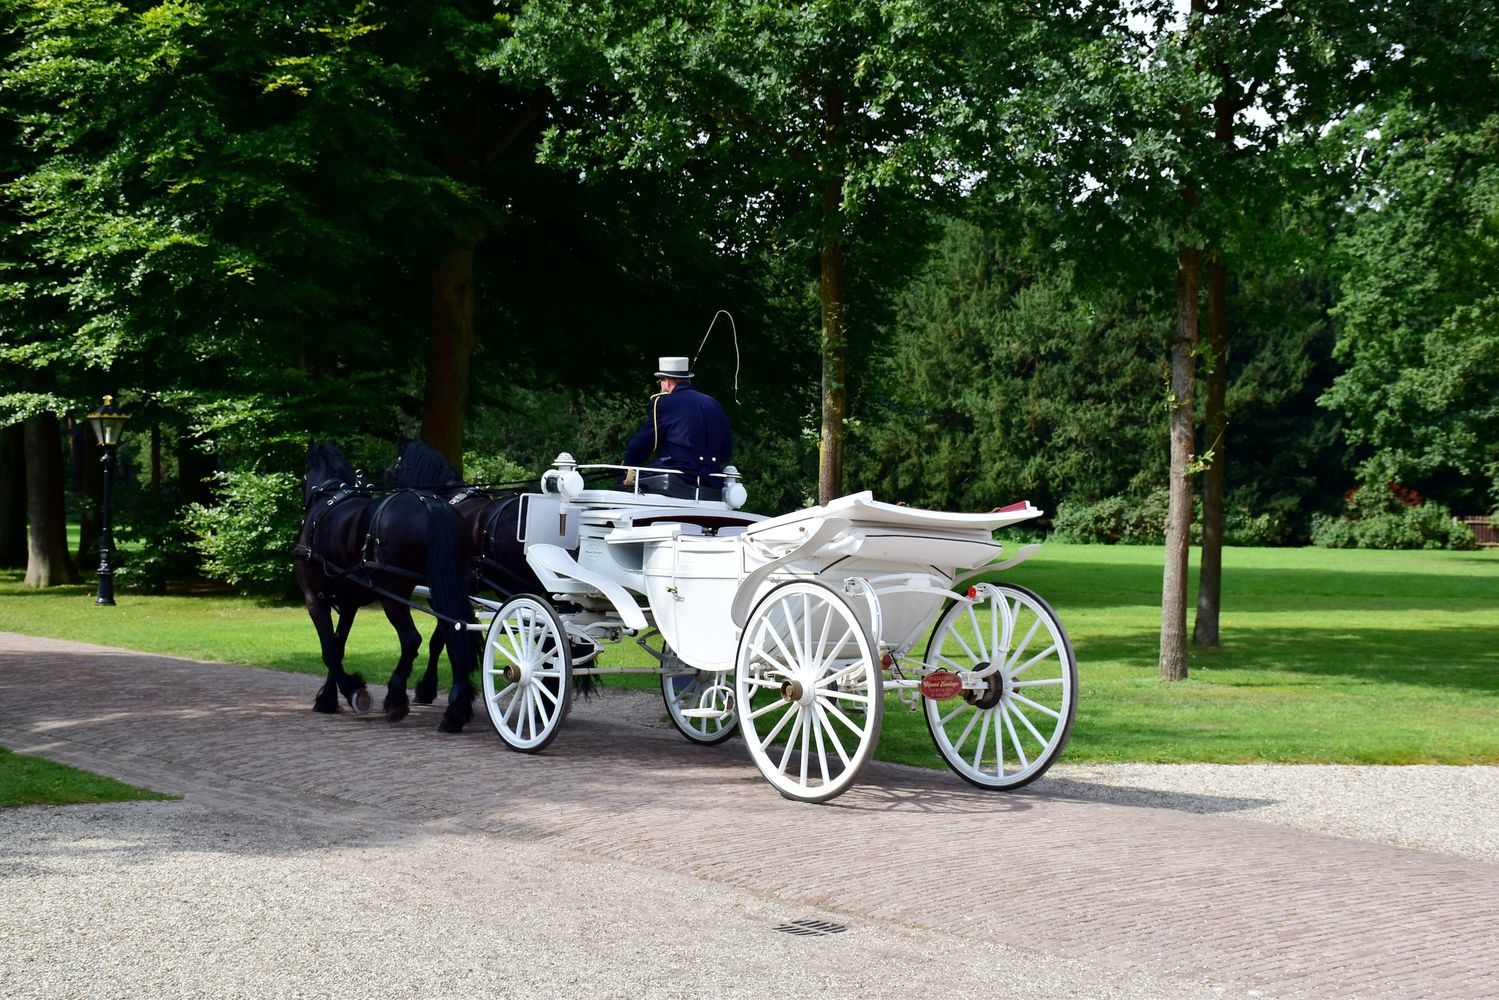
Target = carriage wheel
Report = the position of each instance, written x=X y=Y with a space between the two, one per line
x=807 y=685
x=528 y=673
x=692 y=713
x=1006 y=735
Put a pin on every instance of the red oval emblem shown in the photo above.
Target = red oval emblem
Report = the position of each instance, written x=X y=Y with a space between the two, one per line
x=941 y=685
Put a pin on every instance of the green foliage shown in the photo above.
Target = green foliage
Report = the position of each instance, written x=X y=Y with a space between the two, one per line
x=245 y=539
x=1377 y=518
x=1418 y=311
x=1113 y=520
x=1005 y=381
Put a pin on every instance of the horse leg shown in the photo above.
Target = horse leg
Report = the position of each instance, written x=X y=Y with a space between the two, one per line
x=396 y=706
x=426 y=688
x=461 y=656
x=333 y=641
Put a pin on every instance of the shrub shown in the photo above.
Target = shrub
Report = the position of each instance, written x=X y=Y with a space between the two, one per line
x=246 y=538
x=497 y=470
x=1113 y=520
x=1382 y=517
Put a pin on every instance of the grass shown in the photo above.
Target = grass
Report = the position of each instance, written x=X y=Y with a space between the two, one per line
x=30 y=781
x=1327 y=656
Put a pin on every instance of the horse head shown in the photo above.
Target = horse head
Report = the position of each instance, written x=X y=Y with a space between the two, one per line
x=419 y=466
x=326 y=466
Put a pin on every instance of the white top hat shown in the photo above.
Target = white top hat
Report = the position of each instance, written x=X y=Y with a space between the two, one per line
x=677 y=368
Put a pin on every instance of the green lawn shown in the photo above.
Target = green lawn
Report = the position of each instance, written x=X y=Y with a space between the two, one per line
x=1328 y=656
x=29 y=781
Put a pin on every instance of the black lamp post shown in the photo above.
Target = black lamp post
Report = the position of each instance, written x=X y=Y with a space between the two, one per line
x=108 y=424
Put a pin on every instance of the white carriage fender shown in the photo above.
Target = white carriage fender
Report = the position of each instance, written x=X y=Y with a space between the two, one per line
x=555 y=560
x=1020 y=556
x=828 y=530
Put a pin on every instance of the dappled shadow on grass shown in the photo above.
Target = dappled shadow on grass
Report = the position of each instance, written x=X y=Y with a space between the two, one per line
x=1465 y=658
x=1098 y=585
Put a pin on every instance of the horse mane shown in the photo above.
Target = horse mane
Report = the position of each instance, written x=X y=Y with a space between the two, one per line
x=419 y=466
x=325 y=461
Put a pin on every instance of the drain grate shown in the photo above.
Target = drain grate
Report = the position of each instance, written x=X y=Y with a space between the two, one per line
x=811 y=928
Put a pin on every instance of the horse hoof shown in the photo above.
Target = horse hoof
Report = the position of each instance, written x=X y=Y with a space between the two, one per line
x=424 y=701
x=397 y=712
x=359 y=701
x=449 y=727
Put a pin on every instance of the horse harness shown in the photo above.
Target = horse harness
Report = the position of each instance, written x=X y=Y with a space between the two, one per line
x=369 y=554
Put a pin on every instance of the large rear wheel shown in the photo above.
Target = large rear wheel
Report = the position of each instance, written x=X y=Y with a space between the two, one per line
x=807 y=686
x=1008 y=732
x=527 y=673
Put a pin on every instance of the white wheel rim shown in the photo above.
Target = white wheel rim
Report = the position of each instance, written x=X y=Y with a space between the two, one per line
x=683 y=691
x=1010 y=733
x=808 y=692
x=525 y=711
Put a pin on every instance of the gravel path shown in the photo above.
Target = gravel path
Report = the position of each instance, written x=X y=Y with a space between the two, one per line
x=1450 y=810
x=316 y=856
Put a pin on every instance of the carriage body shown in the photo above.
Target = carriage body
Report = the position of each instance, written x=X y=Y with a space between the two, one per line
x=791 y=629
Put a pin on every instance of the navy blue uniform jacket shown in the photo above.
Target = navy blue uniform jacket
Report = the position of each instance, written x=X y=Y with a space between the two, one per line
x=684 y=429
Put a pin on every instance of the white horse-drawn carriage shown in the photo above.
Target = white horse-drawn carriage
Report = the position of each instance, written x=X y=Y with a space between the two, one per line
x=789 y=630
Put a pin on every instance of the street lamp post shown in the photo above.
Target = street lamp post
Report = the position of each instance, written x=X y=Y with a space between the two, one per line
x=108 y=424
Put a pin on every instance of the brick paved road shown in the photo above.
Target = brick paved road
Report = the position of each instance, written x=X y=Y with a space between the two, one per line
x=1181 y=897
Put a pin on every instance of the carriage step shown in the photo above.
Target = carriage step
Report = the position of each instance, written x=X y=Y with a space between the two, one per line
x=705 y=713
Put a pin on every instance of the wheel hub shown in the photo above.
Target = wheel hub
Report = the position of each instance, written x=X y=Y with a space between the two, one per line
x=993 y=692
x=791 y=690
x=513 y=673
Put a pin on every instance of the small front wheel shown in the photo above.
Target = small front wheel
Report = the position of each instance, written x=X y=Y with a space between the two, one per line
x=527 y=673
x=701 y=705
x=808 y=689
x=1005 y=733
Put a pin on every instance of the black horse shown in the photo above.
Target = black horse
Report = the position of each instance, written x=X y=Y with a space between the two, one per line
x=490 y=517
x=358 y=545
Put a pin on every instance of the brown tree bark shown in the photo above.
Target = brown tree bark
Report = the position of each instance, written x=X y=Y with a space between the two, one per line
x=12 y=496
x=1173 y=663
x=89 y=483
x=450 y=348
x=1215 y=421
x=834 y=366
x=831 y=295
x=47 y=562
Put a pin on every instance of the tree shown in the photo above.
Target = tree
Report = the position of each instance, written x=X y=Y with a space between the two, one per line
x=795 y=122
x=1004 y=379
x=1418 y=307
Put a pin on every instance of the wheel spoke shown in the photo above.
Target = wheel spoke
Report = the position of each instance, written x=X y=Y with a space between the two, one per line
x=1049 y=682
x=796 y=728
x=837 y=713
x=1037 y=706
x=555 y=699
x=983 y=739
x=848 y=671
x=978 y=634
x=958 y=745
x=958 y=638
x=1034 y=660
x=994 y=616
x=822 y=714
x=822 y=750
x=1014 y=740
x=764 y=709
x=822 y=654
x=1019 y=650
x=1026 y=722
x=778 y=727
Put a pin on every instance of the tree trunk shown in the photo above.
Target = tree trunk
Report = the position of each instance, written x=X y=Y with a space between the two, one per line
x=834 y=369
x=12 y=496
x=449 y=352
x=1179 y=520
x=830 y=288
x=1215 y=420
x=47 y=562
x=87 y=483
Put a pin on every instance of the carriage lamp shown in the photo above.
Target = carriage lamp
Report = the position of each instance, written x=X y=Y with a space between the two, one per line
x=108 y=424
x=734 y=493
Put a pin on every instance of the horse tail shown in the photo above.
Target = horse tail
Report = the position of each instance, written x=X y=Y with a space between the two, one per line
x=447 y=582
